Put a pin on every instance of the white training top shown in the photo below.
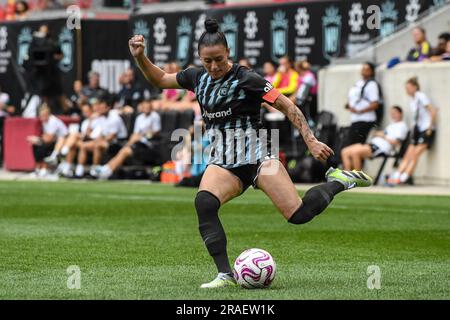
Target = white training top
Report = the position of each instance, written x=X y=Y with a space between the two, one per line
x=95 y=125
x=114 y=125
x=146 y=123
x=394 y=131
x=419 y=104
x=55 y=127
x=371 y=94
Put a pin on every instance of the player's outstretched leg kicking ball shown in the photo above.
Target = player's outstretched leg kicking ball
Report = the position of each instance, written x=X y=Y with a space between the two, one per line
x=230 y=97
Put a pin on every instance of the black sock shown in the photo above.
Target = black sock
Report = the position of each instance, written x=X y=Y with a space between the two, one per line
x=211 y=230
x=315 y=201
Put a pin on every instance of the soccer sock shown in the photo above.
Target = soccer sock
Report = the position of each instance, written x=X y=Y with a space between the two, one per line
x=315 y=201
x=404 y=177
x=54 y=154
x=211 y=230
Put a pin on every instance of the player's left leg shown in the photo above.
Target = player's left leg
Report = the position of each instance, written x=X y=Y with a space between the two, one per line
x=217 y=187
x=279 y=188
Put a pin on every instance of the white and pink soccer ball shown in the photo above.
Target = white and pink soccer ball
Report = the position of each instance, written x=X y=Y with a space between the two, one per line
x=254 y=268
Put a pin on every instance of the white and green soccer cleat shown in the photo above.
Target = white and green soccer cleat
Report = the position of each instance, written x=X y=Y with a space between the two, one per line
x=222 y=280
x=350 y=179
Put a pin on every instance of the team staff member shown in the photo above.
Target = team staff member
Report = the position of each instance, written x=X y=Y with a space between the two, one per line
x=424 y=130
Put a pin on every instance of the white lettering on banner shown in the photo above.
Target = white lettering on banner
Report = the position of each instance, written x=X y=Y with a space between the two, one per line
x=5 y=55
x=109 y=71
x=359 y=37
x=303 y=43
x=252 y=48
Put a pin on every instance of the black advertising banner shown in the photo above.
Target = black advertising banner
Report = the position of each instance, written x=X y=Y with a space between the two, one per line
x=105 y=50
x=315 y=30
x=14 y=44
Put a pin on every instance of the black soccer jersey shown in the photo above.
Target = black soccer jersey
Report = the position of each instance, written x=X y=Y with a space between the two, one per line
x=231 y=110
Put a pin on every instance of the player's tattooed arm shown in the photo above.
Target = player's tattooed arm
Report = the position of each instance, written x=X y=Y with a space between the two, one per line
x=319 y=150
x=155 y=75
x=294 y=114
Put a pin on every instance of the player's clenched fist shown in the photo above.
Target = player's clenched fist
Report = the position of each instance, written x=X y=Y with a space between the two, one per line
x=137 y=45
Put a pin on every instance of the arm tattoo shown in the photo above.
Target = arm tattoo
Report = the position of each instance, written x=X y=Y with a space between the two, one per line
x=295 y=116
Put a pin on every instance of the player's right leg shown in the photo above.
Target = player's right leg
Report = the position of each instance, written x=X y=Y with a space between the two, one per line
x=279 y=188
x=218 y=186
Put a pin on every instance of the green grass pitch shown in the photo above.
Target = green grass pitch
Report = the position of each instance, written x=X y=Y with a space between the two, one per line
x=140 y=241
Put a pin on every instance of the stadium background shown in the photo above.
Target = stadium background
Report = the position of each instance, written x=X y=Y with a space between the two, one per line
x=124 y=231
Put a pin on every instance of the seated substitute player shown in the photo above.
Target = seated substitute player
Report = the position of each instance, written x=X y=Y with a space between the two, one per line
x=383 y=142
x=230 y=97
x=52 y=138
x=90 y=129
x=142 y=143
x=112 y=131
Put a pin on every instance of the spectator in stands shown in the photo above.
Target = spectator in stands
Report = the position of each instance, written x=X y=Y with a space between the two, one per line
x=444 y=56
x=93 y=89
x=169 y=96
x=5 y=109
x=131 y=94
x=286 y=78
x=269 y=71
x=422 y=50
x=77 y=99
x=90 y=129
x=383 y=142
x=306 y=96
x=363 y=100
x=441 y=46
x=422 y=134
x=21 y=10
x=142 y=145
x=245 y=63
x=112 y=133
x=51 y=140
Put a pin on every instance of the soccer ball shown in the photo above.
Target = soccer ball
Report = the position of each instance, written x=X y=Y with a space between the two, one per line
x=254 y=268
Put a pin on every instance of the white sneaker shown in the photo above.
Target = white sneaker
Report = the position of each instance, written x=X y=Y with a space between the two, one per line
x=95 y=171
x=104 y=172
x=222 y=280
x=42 y=173
x=79 y=171
x=51 y=160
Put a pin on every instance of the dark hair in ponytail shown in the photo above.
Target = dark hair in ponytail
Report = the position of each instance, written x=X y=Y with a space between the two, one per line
x=212 y=36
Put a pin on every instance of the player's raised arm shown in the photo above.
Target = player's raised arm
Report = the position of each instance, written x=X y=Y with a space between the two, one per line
x=155 y=75
x=319 y=150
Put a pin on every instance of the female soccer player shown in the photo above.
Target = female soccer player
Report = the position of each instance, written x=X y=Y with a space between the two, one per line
x=230 y=97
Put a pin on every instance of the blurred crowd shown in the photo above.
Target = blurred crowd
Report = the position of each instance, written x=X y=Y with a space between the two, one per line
x=114 y=127
x=20 y=9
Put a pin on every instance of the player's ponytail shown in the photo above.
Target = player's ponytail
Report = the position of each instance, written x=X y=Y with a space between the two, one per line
x=212 y=36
